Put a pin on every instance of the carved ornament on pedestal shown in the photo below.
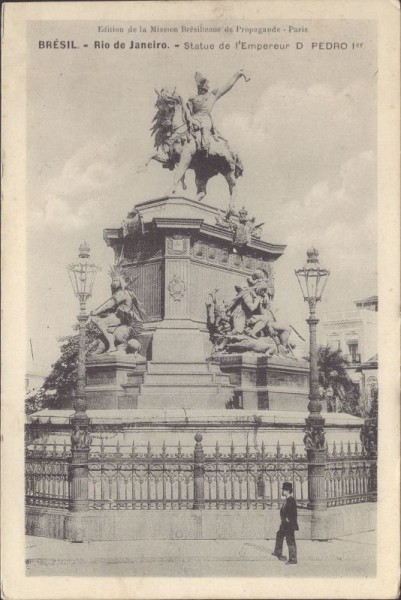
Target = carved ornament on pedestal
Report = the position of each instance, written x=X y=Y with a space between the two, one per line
x=132 y=225
x=176 y=288
x=177 y=245
x=241 y=225
x=212 y=254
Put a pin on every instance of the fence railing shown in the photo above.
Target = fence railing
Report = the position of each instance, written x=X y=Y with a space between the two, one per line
x=180 y=478
x=47 y=475
x=349 y=476
x=253 y=479
x=125 y=477
x=128 y=478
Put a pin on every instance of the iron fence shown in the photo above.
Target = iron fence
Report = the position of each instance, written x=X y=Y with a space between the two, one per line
x=126 y=477
x=253 y=479
x=46 y=475
x=349 y=476
x=221 y=478
x=122 y=477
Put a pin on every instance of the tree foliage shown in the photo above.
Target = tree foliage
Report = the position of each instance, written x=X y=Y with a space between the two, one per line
x=60 y=384
x=333 y=373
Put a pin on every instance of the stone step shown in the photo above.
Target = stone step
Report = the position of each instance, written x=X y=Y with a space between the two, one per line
x=187 y=378
x=182 y=367
x=184 y=389
x=192 y=401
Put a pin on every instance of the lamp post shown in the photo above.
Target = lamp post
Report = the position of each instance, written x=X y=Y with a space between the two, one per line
x=312 y=280
x=82 y=276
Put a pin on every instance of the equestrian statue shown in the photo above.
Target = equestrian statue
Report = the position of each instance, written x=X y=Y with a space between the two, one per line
x=186 y=137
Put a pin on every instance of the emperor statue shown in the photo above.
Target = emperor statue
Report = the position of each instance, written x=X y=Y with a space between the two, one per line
x=186 y=137
x=202 y=104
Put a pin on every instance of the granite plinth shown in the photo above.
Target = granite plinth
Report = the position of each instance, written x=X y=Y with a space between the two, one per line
x=107 y=378
x=188 y=385
x=267 y=383
x=225 y=426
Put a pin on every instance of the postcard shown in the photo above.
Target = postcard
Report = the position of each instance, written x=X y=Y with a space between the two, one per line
x=200 y=299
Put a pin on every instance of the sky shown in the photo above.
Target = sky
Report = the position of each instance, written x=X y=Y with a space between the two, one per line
x=304 y=127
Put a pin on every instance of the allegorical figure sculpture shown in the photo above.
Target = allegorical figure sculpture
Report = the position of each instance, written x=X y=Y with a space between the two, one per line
x=119 y=319
x=187 y=138
x=248 y=323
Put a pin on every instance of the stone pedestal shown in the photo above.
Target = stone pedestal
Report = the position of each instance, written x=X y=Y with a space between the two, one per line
x=267 y=383
x=178 y=255
x=113 y=380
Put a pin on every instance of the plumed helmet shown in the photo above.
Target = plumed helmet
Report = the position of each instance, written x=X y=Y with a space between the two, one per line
x=200 y=80
x=117 y=277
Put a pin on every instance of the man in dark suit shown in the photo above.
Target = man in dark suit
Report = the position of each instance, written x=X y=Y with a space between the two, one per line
x=288 y=514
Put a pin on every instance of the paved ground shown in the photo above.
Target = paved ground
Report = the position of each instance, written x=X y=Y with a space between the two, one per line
x=351 y=556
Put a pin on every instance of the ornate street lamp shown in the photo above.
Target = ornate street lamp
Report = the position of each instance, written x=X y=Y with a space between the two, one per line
x=312 y=279
x=82 y=276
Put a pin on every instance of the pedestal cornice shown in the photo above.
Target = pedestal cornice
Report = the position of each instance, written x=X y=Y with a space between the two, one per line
x=180 y=213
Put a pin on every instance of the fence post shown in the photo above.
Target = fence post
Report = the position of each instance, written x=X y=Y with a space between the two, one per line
x=199 y=474
x=78 y=476
x=78 y=467
x=316 y=479
x=315 y=445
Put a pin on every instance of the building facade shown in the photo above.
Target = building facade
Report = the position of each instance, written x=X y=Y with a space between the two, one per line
x=354 y=332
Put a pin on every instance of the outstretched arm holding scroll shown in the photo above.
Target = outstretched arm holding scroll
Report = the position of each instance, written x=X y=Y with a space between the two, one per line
x=227 y=87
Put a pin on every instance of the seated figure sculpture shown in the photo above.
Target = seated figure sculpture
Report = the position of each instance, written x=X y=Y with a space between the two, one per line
x=119 y=319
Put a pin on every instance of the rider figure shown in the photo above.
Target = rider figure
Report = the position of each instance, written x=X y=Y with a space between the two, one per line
x=201 y=105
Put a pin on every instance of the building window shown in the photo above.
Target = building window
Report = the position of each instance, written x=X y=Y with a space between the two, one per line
x=354 y=357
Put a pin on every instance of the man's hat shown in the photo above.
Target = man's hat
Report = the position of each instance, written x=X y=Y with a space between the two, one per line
x=287 y=486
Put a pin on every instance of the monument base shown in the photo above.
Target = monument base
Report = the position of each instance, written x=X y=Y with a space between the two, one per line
x=176 y=341
x=184 y=385
x=186 y=381
x=113 y=380
x=267 y=383
x=239 y=427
